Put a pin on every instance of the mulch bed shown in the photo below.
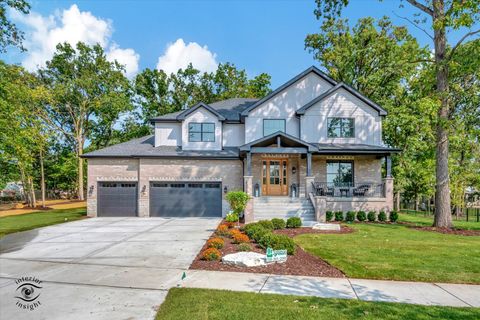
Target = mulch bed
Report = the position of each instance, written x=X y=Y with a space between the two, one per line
x=300 y=264
x=460 y=232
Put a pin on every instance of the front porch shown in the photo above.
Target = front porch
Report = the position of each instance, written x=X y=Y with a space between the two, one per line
x=283 y=166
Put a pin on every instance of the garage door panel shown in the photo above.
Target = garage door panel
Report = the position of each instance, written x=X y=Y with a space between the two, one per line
x=117 y=199
x=185 y=199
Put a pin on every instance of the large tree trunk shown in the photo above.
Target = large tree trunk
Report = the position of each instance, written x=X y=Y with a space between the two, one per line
x=42 y=182
x=442 y=192
x=32 y=192
x=80 y=169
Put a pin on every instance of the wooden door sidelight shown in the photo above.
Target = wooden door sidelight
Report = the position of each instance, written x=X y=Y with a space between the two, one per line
x=275 y=177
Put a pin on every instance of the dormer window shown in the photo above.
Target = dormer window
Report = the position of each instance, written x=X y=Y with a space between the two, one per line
x=341 y=128
x=273 y=125
x=201 y=132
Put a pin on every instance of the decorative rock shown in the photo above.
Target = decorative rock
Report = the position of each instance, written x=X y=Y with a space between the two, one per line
x=245 y=259
x=327 y=226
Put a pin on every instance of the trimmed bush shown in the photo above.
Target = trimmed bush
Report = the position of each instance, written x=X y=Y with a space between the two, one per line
x=393 y=216
x=211 y=254
x=248 y=226
x=244 y=247
x=329 y=215
x=278 y=223
x=231 y=217
x=372 y=216
x=350 y=216
x=222 y=230
x=339 y=216
x=294 y=222
x=361 y=216
x=382 y=216
x=216 y=243
x=267 y=224
x=256 y=231
x=277 y=242
x=241 y=238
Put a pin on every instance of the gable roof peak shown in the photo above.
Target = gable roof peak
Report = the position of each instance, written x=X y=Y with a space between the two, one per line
x=185 y=113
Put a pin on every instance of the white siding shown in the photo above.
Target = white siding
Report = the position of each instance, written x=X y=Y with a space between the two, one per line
x=284 y=105
x=168 y=134
x=342 y=104
x=202 y=115
x=233 y=135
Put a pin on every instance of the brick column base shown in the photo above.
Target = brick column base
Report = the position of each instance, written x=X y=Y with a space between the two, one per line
x=248 y=188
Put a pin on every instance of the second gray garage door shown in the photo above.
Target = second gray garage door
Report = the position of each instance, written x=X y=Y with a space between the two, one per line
x=185 y=199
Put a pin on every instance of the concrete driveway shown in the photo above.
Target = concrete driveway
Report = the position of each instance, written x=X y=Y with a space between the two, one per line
x=100 y=268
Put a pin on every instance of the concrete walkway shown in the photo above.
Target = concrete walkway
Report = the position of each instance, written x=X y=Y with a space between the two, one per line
x=440 y=294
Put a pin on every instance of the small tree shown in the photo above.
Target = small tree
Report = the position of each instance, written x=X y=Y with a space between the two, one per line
x=238 y=201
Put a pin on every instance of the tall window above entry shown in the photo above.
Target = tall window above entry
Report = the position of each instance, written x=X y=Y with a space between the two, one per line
x=341 y=127
x=201 y=132
x=273 y=125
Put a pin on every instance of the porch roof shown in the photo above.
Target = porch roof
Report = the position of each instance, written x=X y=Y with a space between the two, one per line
x=351 y=148
x=285 y=144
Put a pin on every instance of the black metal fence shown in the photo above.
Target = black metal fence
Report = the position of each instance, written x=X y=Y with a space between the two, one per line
x=329 y=189
x=465 y=214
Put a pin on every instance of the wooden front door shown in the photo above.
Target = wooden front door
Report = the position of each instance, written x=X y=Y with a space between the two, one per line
x=275 y=177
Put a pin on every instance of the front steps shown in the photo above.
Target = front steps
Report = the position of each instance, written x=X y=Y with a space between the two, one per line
x=267 y=208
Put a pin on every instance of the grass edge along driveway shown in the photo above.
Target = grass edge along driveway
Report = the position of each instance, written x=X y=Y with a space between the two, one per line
x=183 y=303
x=28 y=221
x=396 y=252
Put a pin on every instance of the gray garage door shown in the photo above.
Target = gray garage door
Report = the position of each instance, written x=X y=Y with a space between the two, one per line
x=117 y=199
x=185 y=199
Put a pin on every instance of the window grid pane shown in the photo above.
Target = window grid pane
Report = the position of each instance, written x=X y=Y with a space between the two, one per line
x=341 y=127
x=201 y=132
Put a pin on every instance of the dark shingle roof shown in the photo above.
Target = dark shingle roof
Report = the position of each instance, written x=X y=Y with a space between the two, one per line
x=144 y=148
x=230 y=109
x=346 y=148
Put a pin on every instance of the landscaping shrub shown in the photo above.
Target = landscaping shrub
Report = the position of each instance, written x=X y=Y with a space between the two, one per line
x=244 y=247
x=339 y=216
x=267 y=224
x=248 y=226
x=350 y=216
x=222 y=230
x=234 y=232
x=382 y=216
x=216 y=243
x=259 y=233
x=393 y=216
x=231 y=217
x=255 y=231
x=230 y=225
x=294 y=222
x=372 y=216
x=277 y=242
x=361 y=216
x=211 y=254
x=329 y=215
x=278 y=223
x=238 y=201
x=240 y=238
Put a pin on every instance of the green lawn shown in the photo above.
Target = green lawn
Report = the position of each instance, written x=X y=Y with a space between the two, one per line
x=396 y=252
x=34 y=220
x=184 y=303
x=422 y=220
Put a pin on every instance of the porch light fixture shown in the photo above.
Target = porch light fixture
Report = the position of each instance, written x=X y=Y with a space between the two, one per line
x=225 y=189
x=90 y=190
x=294 y=170
x=144 y=190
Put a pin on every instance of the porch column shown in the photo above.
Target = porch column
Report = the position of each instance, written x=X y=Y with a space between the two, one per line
x=249 y=164
x=248 y=188
x=388 y=162
x=309 y=179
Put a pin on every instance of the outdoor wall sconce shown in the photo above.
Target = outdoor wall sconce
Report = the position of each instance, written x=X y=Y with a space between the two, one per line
x=294 y=170
x=257 y=190
x=90 y=190
x=225 y=189
x=144 y=190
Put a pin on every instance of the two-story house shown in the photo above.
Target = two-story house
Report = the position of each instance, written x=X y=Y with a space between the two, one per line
x=310 y=146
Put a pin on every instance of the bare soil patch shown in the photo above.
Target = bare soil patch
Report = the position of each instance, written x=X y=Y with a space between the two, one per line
x=460 y=232
x=300 y=264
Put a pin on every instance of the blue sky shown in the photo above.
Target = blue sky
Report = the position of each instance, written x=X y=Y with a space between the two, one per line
x=259 y=36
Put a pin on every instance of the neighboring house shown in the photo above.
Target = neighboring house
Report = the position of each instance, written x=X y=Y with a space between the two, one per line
x=310 y=146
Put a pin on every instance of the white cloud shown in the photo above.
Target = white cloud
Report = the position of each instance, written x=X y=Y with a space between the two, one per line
x=127 y=57
x=70 y=25
x=179 y=55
